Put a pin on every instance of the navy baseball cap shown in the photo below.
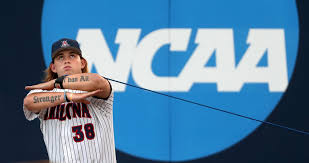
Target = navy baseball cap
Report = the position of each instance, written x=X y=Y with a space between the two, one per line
x=65 y=44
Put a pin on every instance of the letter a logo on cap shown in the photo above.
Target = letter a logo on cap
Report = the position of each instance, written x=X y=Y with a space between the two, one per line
x=64 y=43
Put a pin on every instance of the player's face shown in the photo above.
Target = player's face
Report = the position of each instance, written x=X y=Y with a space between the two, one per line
x=67 y=62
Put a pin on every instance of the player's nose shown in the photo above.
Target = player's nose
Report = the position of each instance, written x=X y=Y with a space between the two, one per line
x=66 y=60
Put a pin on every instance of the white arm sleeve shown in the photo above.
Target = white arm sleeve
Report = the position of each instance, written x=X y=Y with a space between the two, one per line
x=105 y=105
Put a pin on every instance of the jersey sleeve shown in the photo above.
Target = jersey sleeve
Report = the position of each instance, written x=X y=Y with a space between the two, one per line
x=105 y=104
x=99 y=102
x=29 y=114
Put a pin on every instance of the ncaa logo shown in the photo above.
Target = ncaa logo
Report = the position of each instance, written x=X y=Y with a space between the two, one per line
x=236 y=55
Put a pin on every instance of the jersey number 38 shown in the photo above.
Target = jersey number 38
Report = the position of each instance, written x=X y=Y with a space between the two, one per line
x=79 y=134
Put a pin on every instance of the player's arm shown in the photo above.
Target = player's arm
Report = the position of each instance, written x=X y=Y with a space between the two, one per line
x=87 y=82
x=84 y=81
x=36 y=101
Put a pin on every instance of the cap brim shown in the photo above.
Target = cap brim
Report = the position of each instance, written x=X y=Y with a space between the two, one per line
x=55 y=54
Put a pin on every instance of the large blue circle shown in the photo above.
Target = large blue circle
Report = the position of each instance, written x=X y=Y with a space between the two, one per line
x=159 y=128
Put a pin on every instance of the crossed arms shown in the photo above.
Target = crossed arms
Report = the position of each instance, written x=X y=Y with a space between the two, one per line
x=94 y=84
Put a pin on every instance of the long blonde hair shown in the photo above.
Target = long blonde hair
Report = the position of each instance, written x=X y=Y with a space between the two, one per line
x=50 y=75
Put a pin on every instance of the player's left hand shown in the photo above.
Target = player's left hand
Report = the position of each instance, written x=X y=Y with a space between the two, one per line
x=44 y=86
x=81 y=97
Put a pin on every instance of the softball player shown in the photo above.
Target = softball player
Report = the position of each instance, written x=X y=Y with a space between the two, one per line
x=75 y=108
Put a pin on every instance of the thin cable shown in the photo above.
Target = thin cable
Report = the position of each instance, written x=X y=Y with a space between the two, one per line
x=213 y=108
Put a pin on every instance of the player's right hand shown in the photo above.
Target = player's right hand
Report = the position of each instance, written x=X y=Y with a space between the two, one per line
x=45 y=86
x=81 y=97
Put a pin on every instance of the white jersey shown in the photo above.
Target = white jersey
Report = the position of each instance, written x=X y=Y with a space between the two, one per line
x=76 y=132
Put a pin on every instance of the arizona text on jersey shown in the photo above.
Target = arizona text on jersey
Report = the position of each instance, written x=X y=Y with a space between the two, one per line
x=76 y=132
